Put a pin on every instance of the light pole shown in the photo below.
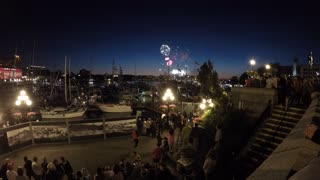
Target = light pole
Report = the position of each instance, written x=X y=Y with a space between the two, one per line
x=252 y=63
x=168 y=96
x=205 y=103
x=268 y=67
x=23 y=99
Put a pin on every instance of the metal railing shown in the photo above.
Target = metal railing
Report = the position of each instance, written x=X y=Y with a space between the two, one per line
x=68 y=131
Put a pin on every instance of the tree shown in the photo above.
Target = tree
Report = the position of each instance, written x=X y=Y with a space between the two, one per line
x=234 y=80
x=208 y=79
x=243 y=78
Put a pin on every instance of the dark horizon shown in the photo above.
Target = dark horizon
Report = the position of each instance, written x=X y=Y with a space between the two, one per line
x=94 y=33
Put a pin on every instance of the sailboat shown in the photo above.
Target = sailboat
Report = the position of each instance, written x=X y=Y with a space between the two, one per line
x=76 y=110
x=122 y=107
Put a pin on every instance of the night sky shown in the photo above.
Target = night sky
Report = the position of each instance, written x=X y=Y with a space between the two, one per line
x=93 y=33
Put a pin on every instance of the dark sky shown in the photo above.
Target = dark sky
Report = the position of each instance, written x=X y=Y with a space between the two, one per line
x=92 y=33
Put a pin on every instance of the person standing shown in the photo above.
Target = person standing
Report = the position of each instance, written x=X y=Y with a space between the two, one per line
x=195 y=135
x=67 y=167
x=37 y=169
x=171 y=140
x=44 y=166
x=185 y=134
x=4 y=168
x=177 y=136
x=52 y=172
x=21 y=175
x=153 y=129
x=28 y=167
x=157 y=154
x=135 y=137
x=210 y=163
x=218 y=135
x=11 y=174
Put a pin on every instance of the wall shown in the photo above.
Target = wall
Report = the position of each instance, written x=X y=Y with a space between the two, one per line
x=253 y=100
x=293 y=150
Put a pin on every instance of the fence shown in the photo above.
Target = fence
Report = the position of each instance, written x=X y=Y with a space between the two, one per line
x=68 y=131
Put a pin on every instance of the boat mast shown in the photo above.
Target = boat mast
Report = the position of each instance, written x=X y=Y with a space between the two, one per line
x=69 y=80
x=65 y=80
x=33 y=51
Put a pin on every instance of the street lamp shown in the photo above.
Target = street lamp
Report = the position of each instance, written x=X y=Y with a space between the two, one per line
x=205 y=103
x=23 y=99
x=252 y=63
x=267 y=66
x=168 y=96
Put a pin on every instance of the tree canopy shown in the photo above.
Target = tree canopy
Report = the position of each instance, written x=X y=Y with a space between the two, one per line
x=209 y=81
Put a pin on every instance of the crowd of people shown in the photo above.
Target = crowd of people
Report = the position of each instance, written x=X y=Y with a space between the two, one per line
x=35 y=170
x=132 y=168
x=182 y=135
x=291 y=90
x=169 y=159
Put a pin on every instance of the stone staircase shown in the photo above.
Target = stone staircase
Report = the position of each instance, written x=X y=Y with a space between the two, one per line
x=267 y=138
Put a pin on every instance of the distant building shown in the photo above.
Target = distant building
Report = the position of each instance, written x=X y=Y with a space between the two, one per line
x=284 y=70
x=10 y=73
x=307 y=71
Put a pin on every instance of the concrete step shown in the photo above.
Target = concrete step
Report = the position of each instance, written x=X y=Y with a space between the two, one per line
x=288 y=113
x=267 y=149
x=288 y=118
x=257 y=155
x=266 y=142
x=278 y=128
x=273 y=131
x=270 y=137
x=283 y=122
x=291 y=109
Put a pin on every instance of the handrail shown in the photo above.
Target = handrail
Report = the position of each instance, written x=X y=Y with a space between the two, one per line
x=279 y=124
x=276 y=129
x=265 y=114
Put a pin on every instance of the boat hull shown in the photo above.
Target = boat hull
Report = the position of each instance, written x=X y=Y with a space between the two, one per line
x=68 y=114
x=111 y=108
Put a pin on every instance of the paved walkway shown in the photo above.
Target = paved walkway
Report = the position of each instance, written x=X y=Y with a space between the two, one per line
x=88 y=154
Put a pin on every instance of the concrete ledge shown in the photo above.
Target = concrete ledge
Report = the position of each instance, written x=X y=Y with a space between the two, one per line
x=286 y=155
x=253 y=100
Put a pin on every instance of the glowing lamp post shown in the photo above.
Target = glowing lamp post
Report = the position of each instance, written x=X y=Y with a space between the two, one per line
x=23 y=99
x=205 y=103
x=252 y=63
x=268 y=67
x=168 y=96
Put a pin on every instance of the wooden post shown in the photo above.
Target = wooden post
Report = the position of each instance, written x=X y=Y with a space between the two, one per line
x=31 y=130
x=104 y=130
x=68 y=131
